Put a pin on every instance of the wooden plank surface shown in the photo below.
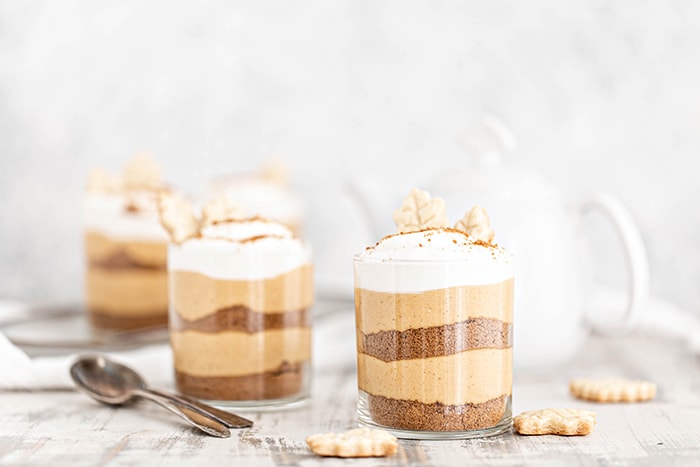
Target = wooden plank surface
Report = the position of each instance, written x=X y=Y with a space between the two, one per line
x=67 y=428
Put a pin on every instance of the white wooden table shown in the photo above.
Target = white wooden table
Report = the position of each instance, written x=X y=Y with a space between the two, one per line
x=67 y=428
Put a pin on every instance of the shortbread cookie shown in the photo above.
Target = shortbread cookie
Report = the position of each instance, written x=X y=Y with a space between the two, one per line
x=177 y=217
x=420 y=211
x=476 y=223
x=220 y=209
x=567 y=422
x=612 y=390
x=142 y=172
x=360 y=442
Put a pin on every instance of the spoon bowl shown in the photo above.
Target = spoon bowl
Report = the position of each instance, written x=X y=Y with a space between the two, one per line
x=107 y=381
x=112 y=383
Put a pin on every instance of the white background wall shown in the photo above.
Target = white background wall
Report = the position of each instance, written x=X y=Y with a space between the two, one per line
x=602 y=95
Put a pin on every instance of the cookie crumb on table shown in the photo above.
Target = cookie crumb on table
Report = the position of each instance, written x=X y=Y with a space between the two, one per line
x=612 y=390
x=360 y=442
x=566 y=422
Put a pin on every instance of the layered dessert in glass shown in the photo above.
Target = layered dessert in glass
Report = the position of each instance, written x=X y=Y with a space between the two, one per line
x=434 y=314
x=241 y=290
x=126 y=283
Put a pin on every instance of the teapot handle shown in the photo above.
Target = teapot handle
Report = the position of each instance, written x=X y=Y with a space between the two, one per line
x=635 y=255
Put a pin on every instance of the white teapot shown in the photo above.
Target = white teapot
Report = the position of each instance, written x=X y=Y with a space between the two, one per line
x=552 y=306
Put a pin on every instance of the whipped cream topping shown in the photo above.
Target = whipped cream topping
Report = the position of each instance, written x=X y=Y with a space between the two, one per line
x=128 y=215
x=430 y=259
x=246 y=249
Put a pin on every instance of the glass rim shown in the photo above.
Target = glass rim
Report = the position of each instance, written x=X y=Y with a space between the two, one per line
x=509 y=259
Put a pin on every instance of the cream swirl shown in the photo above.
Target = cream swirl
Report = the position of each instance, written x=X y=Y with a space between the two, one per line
x=430 y=259
x=245 y=249
x=129 y=215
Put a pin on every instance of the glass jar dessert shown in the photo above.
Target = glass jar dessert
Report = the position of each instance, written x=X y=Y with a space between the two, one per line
x=240 y=320
x=267 y=193
x=434 y=314
x=126 y=282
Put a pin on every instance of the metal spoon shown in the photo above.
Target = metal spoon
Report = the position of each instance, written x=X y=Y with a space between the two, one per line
x=115 y=384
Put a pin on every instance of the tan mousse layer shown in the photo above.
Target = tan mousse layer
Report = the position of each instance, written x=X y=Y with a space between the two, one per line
x=401 y=311
x=127 y=292
x=100 y=249
x=204 y=354
x=473 y=376
x=196 y=295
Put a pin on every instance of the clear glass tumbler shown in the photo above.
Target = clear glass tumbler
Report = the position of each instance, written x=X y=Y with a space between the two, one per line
x=240 y=332
x=126 y=279
x=434 y=346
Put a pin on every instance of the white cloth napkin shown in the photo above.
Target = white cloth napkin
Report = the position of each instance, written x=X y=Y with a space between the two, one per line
x=19 y=371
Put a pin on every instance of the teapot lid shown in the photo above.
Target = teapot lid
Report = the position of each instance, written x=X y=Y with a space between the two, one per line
x=485 y=142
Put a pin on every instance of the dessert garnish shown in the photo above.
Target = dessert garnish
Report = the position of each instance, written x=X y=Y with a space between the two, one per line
x=142 y=172
x=476 y=224
x=220 y=209
x=420 y=211
x=101 y=181
x=275 y=171
x=360 y=442
x=179 y=219
x=563 y=422
x=612 y=390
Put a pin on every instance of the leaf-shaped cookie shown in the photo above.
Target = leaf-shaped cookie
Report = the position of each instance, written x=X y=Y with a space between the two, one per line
x=612 y=389
x=220 y=209
x=142 y=172
x=177 y=217
x=100 y=181
x=564 y=422
x=476 y=223
x=275 y=171
x=420 y=211
x=360 y=442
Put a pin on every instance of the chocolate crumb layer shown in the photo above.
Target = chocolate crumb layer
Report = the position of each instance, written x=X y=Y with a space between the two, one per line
x=285 y=381
x=414 y=415
x=121 y=260
x=243 y=319
x=104 y=321
x=436 y=341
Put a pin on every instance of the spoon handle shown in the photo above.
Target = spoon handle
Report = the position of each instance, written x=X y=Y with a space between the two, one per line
x=228 y=419
x=206 y=423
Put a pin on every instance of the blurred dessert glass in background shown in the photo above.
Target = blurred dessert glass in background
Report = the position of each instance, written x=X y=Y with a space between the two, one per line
x=266 y=193
x=126 y=284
